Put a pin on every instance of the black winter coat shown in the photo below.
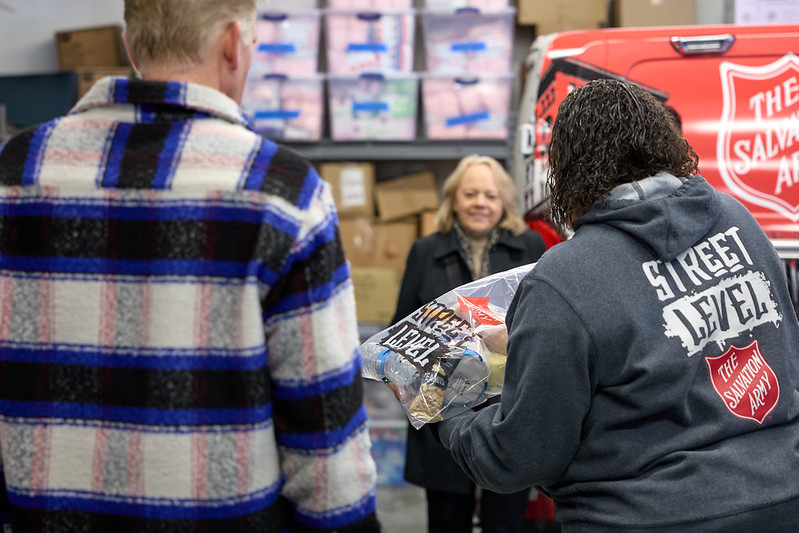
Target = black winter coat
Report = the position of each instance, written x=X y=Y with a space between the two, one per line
x=427 y=463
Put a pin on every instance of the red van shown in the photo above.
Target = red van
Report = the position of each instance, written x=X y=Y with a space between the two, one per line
x=734 y=89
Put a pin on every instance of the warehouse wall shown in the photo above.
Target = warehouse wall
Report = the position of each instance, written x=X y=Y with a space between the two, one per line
x=26 y=34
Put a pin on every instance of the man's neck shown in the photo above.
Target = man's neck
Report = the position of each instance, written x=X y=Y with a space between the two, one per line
x=199 y=74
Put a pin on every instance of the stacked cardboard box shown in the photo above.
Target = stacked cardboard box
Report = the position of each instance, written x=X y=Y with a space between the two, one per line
x=636 y=13
x=550 y=16
x=353 y=187
x=406 y=195
x=378 y=223
x=92 y=53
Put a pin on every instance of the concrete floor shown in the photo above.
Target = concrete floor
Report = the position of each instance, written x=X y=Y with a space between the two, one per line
x=402 y=509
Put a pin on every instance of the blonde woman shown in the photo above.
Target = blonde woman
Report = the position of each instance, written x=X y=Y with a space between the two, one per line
x=479 y=232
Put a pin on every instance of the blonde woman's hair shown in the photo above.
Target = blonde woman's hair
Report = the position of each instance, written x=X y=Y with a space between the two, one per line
x=178 y=33
x=511 y=220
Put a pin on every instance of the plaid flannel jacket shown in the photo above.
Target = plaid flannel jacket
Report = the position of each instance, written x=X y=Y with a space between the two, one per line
x=178 y=341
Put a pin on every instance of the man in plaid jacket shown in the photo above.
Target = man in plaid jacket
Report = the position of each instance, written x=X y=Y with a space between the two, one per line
x=178 y=342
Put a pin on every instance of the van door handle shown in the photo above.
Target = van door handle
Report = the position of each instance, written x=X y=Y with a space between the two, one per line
x=704 y=44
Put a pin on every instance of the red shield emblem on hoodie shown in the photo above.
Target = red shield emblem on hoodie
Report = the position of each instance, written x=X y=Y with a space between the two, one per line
x=745 y=382
x=757 y=146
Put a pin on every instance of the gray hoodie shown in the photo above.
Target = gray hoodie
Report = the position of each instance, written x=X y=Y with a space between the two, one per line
x=652 y=369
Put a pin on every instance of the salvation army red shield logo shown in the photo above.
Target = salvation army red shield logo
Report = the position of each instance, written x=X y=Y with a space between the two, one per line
x=745 y=382
x=758 y=146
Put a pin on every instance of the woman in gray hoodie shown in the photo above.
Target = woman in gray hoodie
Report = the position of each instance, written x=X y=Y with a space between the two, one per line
x=653 y=360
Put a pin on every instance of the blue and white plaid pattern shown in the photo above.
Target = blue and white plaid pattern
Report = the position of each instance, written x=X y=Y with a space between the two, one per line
x=178 y=342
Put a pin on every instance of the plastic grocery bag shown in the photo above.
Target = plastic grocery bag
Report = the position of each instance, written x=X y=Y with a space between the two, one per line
x=449 y=355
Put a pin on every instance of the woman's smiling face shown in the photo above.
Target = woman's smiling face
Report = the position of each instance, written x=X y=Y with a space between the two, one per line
x=477 y=203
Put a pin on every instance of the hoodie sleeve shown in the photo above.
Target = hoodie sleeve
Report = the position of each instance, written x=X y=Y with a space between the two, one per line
x=531 y=437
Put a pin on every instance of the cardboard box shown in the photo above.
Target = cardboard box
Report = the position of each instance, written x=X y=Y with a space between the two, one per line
x=426 y=223
x=407 y=195
x=369 y=242
x=569 y=23
x=90 y=47
x=376 y=292
x=561 y=15
x=353 y=187
x=88 y=76
x=636 y=13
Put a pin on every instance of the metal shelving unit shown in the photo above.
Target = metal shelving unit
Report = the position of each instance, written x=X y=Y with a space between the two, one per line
x=420 y=149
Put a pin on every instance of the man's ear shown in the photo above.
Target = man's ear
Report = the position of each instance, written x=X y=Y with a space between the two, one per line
x=231 y=43
x=130 y=54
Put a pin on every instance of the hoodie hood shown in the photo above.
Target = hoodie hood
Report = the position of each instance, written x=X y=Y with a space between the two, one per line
x=665 y=213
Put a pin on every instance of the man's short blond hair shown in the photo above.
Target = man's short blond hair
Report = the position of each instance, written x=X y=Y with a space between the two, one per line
x=179 y=33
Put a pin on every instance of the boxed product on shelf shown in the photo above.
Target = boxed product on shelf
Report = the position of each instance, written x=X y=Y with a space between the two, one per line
x=376 y=291
x=369 y=41
x=406 y=195
x=369 y=242
x=352 y=185
x=466 y=106
x=370 y=4
x=289 y=108
x=287 y=42
x=447 y=5
x=469 y=40
x=373 y=107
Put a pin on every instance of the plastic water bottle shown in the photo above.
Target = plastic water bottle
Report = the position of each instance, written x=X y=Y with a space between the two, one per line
x=387 y=365
x=465 y=385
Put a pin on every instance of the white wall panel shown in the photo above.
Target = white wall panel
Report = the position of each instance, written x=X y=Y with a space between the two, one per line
x=27 y=44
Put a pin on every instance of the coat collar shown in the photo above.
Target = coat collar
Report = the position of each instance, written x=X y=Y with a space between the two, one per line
x=151 y=95
x=449 y=244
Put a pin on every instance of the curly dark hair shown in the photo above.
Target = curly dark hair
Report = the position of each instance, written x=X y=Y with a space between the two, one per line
x=607 y=133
